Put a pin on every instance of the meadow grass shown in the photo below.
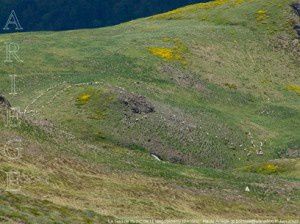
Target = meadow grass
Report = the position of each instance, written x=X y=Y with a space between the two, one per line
x=222 y=87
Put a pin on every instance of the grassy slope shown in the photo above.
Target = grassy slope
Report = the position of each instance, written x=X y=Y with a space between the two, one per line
x=217 y=81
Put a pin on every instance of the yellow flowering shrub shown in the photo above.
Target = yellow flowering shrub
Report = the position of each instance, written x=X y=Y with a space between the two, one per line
x=266 y=168
x=270 y=168
x=84 y=98
x=261 y=15
x=294 y=88
x=174 y=53
x=162 y=52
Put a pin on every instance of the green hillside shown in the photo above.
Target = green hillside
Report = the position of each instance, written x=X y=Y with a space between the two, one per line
x=211 y=89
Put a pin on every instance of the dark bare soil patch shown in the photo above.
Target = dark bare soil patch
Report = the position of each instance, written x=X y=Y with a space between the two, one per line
x=138 y=104
x=4 y=102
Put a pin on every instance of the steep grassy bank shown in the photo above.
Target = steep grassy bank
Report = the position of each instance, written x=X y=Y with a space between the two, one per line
x=212 y=89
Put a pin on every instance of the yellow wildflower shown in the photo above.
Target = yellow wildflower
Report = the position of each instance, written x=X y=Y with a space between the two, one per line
x=261 y=15
x=294 y=88
x=84 y=98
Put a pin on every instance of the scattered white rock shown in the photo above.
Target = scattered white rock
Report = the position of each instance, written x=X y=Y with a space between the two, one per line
x=155 y=157
x=260 y=152
x=247 y=189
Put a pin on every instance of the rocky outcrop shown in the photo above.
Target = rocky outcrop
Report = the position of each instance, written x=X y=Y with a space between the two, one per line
x=137 y=103
x=296 y=8
x=4 y=102
x=297 y=29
